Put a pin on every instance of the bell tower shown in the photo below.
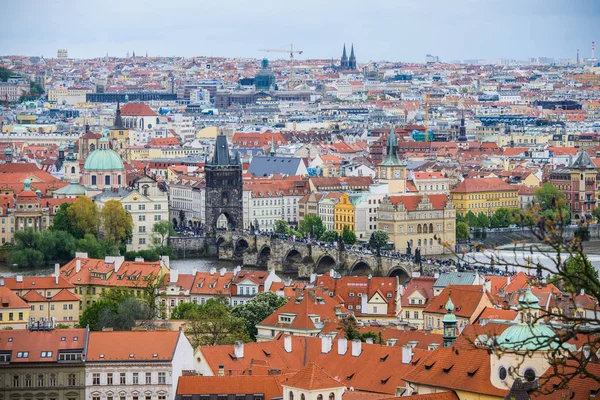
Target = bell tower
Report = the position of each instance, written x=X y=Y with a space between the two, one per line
x=391 y=170
x=450 y=323
x=223 y=188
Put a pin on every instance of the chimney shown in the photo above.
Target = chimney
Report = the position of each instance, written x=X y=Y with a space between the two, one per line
x=287 y=343
x=56 y=279
x=313 y=278
x=139 y=259
x=81 y=255
x=194 y=272
x=582 y=292
x=165 y=261
x=1 y=281
x=20 y=278
x=212 y=271
x=326 y=344
x=406 y=354
x=221 y=370
x=342 y=346
x=369 y=340
x=356 y=347
x=222 y=271
x=238 y=349
x=56 y=269
x=507 y=279
x=173 y=276
x=77 y=265
x=117 y=261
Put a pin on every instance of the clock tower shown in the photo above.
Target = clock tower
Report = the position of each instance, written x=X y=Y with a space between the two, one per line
x=393 y=171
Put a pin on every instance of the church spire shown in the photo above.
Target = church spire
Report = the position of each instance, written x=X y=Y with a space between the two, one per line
x=392 y=149
x=344 y=60
x=450 y=323
x=462 y=132
x=352 y=61
x=272 y=152
x=118 y=120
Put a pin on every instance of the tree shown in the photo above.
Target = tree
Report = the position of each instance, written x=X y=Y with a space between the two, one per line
x=91 y=315
x=35 y=249
x=257 y=309
x=184 y=310
x=378 y=240
x=61 y=222
x=162 y=230
x=483 y=221
x=82 y=217
x=5 y=73
x=311 y=225
x=596 y=214
x=212 y=324
x=93 y=246
x=462 y=231
x=502 y=218
x=348 y=236
x=281 y=227
x=116 y=222
x=329 y=236
x=552 y=204
x=472 y=220
x=580 y=270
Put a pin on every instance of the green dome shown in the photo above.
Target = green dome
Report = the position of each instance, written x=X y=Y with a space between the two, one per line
x=449 y=317
x=103 y=160
x=528 y=337
x=72 y=189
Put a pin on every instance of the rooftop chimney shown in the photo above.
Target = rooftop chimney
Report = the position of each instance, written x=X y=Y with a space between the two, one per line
x=139 y=259
x=117 y=261
x=165 y=261
x=369 y=340
x=342 y=346
x=194 y=272
x=326 y=344
x=287 y=343
x=238 y=349
x=222 y=271
x=77 y=265
x=312 y=294
x=356 y=347
x=212 y=271
x=81 y=255
x=406 y=354
x=1 y=281
x=221 y=370
x=173 y=276
x=19 y=278
x=56 y=269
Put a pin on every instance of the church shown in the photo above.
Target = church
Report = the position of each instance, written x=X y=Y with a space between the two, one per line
x=348 y=64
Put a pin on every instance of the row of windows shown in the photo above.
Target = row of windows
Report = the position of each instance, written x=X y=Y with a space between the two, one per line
x=40 y=380
x=11 y=316
x=111 y=378
x=41 y=307
x=133 y=397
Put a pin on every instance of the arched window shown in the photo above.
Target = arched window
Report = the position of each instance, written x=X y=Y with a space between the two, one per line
x=431 y=242
x=430 y=228
x=302 y=397
x=331 y=396
x=145 y=190
x=291 y=395
x=119 y=179
x=419 y=230
x=419 y=243
x=320 y=397
x=225 y=198
x=72 y=170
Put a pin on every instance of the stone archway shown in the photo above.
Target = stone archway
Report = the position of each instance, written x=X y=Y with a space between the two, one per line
x=220 y=240
x=240 y=247
x=401 y=273
x=292 y=260
x=324 y=264
x=264 y=255
x=361 y=268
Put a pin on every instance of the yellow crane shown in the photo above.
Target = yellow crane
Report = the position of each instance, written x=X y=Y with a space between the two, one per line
x=427 y=117
x=291 y=52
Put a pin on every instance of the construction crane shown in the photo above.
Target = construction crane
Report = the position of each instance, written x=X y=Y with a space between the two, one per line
x=291 y=52
x=427 y=117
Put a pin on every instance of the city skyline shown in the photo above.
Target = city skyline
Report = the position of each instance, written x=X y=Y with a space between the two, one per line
x=400 y=31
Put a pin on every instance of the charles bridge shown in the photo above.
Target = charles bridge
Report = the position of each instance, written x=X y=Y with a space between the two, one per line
x=291 y=256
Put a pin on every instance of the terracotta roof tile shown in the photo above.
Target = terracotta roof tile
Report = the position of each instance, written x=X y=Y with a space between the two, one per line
x=119 y=346
x=312 y=377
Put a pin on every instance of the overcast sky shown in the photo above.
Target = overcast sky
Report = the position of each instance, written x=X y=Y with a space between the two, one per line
x=397 y=30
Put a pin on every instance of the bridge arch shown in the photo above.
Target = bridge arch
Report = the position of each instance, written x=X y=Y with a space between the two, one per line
x=401 y=273
x=361 y=267
x=264 y=255
x=293 y=257
x=241 y=245
x=325 y=263
x=221 y=240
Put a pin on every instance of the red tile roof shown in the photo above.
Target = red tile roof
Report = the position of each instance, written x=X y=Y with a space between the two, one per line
x=36 y=342
x=137 y=110
x=474 y=185
x=410 y=202
x=37 y=282
x=267 y=385
x=312 y=377
x=9 y=300
x=119 y=346
x=467 y=300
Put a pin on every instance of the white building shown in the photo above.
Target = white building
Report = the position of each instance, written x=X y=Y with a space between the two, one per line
x=136 y=365
x=185 y=202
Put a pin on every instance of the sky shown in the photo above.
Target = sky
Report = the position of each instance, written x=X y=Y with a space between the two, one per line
x=392 y=30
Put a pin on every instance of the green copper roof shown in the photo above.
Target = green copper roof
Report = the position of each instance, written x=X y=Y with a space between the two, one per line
x=449 y=317
x=103 y=160
x=528 y=300
x=528 y=337
x=391 y=159
x=72 y=189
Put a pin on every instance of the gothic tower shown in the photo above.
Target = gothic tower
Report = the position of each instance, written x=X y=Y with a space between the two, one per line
x=71 y=165
x=223 y=188
x=462 y=132
x=391 y=170
x=344 y=60
x=352 y=61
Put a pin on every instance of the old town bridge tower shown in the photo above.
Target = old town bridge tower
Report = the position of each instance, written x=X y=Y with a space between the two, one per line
x=223 y=202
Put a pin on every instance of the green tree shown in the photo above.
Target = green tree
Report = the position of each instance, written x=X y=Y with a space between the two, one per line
x=483 y=221
x=281 y=227
x=548 y=196
x=257 y=309
x=311 y=225
x=82 y=217
x=472 y=220
x=93 y=246
x=213 y=324
x=329 y=236
x=581 y=273
x=349 y=327
x=91 y=315
x=462 y=231
x=184 y=310
x=26 y=258
x=61 y=222
x=348 y=236
x=116 y=222
x=5 y=73
x=378 y=240
x=162 y=230
x=502 y=218
x=596 y=214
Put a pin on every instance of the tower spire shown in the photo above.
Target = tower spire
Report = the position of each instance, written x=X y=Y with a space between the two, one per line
x=450 y=323
x=272 y=152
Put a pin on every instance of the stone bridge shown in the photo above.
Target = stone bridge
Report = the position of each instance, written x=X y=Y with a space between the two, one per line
x=304 y=258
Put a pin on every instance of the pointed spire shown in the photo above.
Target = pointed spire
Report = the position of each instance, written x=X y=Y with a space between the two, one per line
x=392 y=149
x=272 y=152
x=450 y=323
x=344 y=52
x=118 y=120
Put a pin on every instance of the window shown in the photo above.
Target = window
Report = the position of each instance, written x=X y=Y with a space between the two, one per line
x=529 y=375
x=502 y=373
x=148 y=378
x=15 y=380
x=122 y=378
x=291 y=395
x=162 y=378
x=141 y=218
x=142 y=229
x=142 y=240
x=95 y=379
x=136 y=378
x=109 y=378
x=302 y=397
x=52 y=380
x=23 y=354
x=141 y=207
x=46 y=354
x=27 y=380
x=331 y=396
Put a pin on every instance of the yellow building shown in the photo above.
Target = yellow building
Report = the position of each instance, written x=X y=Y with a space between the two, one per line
x=425 y=221
x=93 y=277
x=344 y=214
x=484 y=195
x=391 y=170
x=14 y=311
